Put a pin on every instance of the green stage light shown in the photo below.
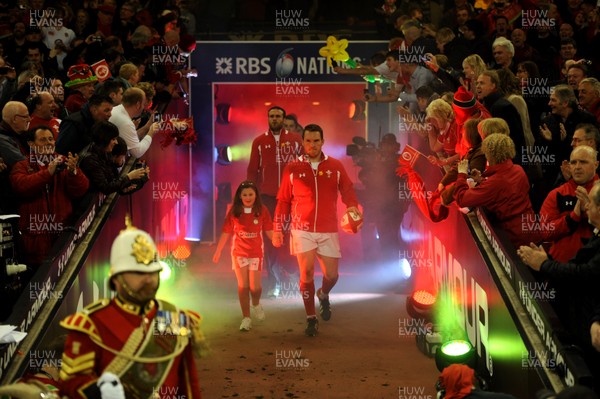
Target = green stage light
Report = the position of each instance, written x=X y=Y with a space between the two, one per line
x=455 y=351
x=456 y=348
x=166 y=272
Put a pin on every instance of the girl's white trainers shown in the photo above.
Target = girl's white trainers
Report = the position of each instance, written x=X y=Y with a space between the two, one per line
x=259 y=313
x=246 y=324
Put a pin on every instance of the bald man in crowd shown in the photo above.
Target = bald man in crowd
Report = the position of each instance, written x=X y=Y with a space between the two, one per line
x=13 y=148
x=562 y=218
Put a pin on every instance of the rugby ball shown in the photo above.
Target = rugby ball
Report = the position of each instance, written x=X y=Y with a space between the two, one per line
x=351 y=222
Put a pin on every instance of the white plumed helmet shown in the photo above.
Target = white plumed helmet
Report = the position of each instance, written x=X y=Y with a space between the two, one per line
x=133 y=251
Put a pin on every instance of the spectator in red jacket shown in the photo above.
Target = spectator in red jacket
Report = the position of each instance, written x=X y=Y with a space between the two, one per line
x=562 y=217
x=503 y=190
x=45 y=183
x=42 y=107
x=307 y=202
x=81 y=82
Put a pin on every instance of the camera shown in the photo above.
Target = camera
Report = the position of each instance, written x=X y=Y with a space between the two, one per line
x=62 y=165
x=140 y=164
x=157 y=117
x=363 y=153
x=97 y=38
x=5 y=69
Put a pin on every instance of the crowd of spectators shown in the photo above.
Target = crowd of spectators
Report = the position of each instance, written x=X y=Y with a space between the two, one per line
x=80 y=84
x=530 y=68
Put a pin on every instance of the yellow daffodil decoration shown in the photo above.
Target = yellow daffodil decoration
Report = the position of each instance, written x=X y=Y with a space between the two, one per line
x=335 y=50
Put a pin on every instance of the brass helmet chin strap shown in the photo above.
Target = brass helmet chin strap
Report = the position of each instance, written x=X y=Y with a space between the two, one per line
x=127 y=289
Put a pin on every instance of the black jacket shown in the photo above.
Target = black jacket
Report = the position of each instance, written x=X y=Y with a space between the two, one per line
x=75 y=132
x=500 y=107
x=579 y=277
x=102 y=173
x=562 y=149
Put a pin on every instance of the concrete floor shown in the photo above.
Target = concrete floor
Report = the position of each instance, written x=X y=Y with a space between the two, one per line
x=360 y=353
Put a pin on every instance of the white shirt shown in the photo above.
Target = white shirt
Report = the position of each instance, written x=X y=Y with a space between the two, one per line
x=128 y=132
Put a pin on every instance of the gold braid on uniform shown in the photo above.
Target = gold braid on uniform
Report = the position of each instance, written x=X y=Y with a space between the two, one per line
x=127 y=352
x=199 y=343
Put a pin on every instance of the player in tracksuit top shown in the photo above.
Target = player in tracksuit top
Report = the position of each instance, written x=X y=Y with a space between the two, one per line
x=271 y=152
x=307 y=205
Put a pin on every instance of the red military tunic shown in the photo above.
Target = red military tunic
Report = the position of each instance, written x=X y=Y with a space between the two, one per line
x=112 y=323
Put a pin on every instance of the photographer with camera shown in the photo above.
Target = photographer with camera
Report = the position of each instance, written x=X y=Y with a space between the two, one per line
x=134 y=102
x=411 y=76
x=382 y=201
x=45 y=183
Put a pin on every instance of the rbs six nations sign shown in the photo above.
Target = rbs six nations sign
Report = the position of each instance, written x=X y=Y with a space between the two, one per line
x=275 y=62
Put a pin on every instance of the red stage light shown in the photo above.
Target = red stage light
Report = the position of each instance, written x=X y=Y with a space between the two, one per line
x=356 y=110
x=223 y=114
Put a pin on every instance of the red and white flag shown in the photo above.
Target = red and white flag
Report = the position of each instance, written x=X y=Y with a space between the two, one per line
x=409 y=155
x=101 y=70
x=429 y=205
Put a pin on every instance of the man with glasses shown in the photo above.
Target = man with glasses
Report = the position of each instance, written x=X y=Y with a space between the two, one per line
x=13 y=148
x=81 y=82
x=45 y=183
x=575 y=74
x=589 y=96
x=15 y=121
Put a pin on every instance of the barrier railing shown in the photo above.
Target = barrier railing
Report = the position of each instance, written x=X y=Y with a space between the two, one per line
x=522 y=292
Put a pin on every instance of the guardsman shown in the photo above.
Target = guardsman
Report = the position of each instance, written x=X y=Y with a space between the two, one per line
x=147 y=343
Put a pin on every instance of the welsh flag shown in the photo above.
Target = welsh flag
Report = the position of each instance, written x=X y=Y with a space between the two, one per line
x=409 y=156
x=101 y=70
x=431 y=207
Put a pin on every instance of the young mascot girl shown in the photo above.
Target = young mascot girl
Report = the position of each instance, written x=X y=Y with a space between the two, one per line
x=246 y=221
